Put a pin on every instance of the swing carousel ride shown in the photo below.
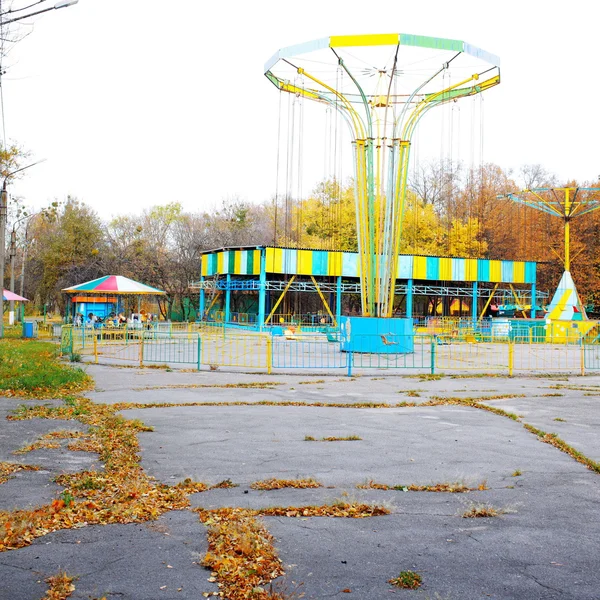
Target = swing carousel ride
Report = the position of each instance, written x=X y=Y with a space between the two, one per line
x=378 y=88
x=382 y=86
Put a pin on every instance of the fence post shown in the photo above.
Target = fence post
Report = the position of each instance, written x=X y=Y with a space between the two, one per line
x=141 y=348
x=269 y=355
x=199 y=351
x=511 y=358
x=349 y=359
x=582 y=355
x=96 y=349
x=433 y=345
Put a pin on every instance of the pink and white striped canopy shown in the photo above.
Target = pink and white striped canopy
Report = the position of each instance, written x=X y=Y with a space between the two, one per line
x=8 y=296
x=112 y=284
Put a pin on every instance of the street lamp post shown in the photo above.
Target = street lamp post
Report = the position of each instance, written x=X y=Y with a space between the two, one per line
x=4 y=193
x=3 y=209
x=11 y=254
x=3 y=215
x=61 y=4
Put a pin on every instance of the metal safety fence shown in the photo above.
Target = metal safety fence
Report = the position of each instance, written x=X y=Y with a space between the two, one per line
x=213 y=347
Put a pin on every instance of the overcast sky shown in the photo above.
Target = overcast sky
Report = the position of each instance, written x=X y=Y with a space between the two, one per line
x=135 y=103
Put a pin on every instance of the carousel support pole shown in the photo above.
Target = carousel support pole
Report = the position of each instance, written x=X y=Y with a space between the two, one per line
x=474 y=304
x=228 y=299
x=409 y=299
x=202 y=306
x=262 y=291
x=338 y=299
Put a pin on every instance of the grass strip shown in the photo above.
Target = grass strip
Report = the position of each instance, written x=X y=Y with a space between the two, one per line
x=31 y=369
x=121 y=493
x=554 y=440
x=333 y=438
x=261 y=385
x=456 y=487
x=279 y=484
x=240 y=548
x=7 y=469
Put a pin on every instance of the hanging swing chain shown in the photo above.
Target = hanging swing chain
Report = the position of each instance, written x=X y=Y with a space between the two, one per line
x=277 y=171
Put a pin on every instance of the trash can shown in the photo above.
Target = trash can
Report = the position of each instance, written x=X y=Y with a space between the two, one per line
x=28 y=329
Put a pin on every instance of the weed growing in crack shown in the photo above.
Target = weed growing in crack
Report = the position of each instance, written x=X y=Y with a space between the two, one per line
x=457 y=487
x=332 y=438
x=554 y=440
x=7 y=470
x=278 y=484
x=481 y=510
x=408 y=580
x=60 y=586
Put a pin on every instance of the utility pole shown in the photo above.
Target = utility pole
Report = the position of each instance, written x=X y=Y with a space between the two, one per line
x=11 y=254
x=3 y=195
x=3 y=214
x=3 y=209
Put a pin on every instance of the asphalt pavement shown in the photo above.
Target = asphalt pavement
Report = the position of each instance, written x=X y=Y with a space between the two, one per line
x=543 y=543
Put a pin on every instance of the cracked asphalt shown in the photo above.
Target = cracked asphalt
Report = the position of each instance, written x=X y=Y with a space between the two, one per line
x=544 y=544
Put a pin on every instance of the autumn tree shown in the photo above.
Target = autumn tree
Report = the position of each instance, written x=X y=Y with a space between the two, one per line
x=422 y=232
x=327 y=218
x=65 y=251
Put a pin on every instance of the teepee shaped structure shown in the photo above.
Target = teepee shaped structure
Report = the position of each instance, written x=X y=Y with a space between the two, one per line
x=566 y=304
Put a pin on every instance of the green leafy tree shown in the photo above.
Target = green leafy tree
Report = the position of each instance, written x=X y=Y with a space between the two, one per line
x=65 y=251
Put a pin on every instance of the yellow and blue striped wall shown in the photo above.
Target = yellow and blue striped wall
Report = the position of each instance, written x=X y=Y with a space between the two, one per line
x=289 y=261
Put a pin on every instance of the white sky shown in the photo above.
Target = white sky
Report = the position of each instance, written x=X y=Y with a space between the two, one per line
x=137 y=102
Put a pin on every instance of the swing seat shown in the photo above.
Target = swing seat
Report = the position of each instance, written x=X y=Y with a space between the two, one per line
x=472 y=338
x=332 y=338
x=290 y=333
x=387 y=342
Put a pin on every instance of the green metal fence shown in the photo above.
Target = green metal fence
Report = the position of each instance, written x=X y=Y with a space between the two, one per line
x=214 y=347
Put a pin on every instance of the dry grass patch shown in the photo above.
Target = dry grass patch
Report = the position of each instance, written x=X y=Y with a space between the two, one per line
x=240 y=549
x=481 y=510
x=278 y=484
x=261 y=385
x=457 y=487
x=122 y=493
x=49 y=441
x=333 y=438
x=60 y=586
x=341 y=509
x=554 y=440
x=7 y=470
